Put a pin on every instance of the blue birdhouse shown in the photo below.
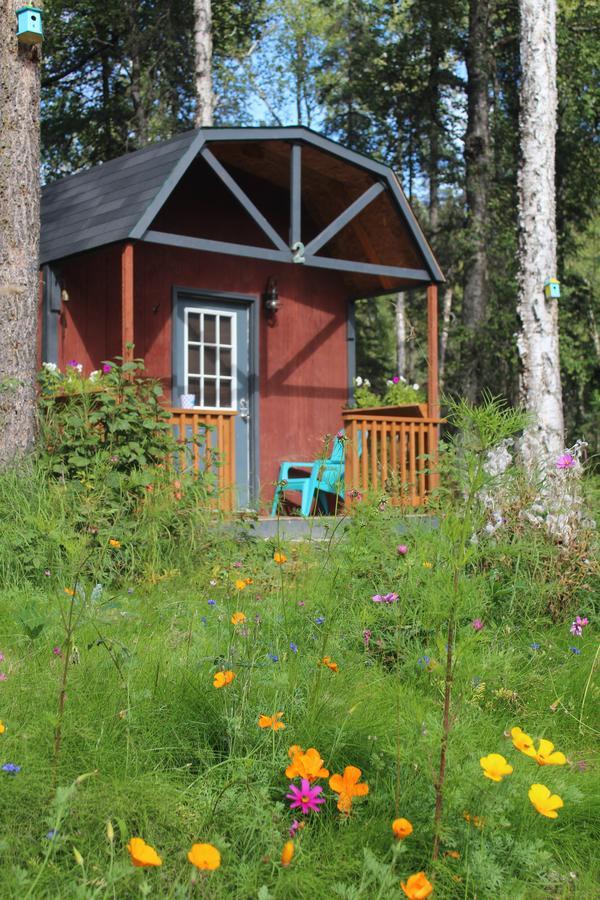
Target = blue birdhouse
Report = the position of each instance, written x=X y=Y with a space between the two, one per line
x=29 y=25
x=552 y=288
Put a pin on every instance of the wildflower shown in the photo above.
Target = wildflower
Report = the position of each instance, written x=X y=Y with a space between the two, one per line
x=417 y=887
x=347 y=787
x=293 y=647
x=384 y=598
x=212 y=602
x=367 y=637
x=273 y=657
x=307 y=765
x=305 y=797
x=57 y=651
x=279 y=557
x=50 y=835
x=223 y=678
x=3 y=676
x=142 y=854
x=453 y=854
x=535 y=645
x=114 y=543
x=295 y=826
x=237 y=618
x=355 y=495
x=273 y=722
x=47 y=573
x=2 y=727
x=11 y=768
x=575 y=650
x=73 y=363
x=477 y=821
x=401 y=549
x=401 y=828
x=287 y=854
x=545 y=755
x=205 y=857
x=212 y=582
x=427 y=565
x=521 y=740
x=477 y=624
x=237 y=565
x=106 y=368
x=578 y=625
x=423 y=661
x=70 y=592
x=327 y=661
x=545 y=802
x=242 y=583
x=319 y=620
x=495 y=767
x=566 y=461
x=204 y=620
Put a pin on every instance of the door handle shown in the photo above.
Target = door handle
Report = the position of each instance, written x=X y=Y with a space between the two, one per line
x=243 y=410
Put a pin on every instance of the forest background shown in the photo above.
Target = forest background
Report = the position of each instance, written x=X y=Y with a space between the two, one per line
x=430 y=87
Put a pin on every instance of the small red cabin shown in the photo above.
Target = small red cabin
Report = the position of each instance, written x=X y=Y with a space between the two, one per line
x=230 y=259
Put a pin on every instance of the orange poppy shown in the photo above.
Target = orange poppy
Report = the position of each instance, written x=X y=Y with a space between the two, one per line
x=287 y=854
x=347 y=787
x=142 y=854
x=238 y=618
x=279 y=557
x=417 y=887
x=401 y=828
x=114 y=543
x=205 y=857
x=273 y=722
x=307 y=765
x=223 y=678
x=327 y=661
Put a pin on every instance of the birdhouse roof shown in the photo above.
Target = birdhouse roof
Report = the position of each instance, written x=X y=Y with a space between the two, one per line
x=377 y=245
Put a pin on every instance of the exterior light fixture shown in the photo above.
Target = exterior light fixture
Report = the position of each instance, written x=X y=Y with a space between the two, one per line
x=271 y=298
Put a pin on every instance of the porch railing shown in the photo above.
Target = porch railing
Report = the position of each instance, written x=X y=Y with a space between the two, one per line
x=207 y=441
x=393 y=454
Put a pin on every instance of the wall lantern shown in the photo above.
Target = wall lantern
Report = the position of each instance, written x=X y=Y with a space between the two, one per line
x=271 y=298
x=552 y=288
x=29 y=25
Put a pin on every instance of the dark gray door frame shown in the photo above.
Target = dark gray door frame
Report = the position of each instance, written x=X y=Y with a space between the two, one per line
x=51 y=298
x=252 y=302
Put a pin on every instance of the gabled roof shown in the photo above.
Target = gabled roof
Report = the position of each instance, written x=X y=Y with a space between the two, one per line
x=121 y=199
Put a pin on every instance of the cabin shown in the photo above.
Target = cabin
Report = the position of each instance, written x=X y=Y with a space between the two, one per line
x=229 y=259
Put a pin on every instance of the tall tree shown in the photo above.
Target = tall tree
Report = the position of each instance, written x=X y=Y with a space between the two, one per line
x=477 y=166
x=203 y=57
x=19 y=235
x=538 y=339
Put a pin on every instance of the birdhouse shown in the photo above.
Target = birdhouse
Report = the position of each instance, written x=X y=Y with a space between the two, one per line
x=552 y=288
x=29 y=25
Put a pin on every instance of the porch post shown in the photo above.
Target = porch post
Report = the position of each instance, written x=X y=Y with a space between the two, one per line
x=127 y=302
x=433 y=402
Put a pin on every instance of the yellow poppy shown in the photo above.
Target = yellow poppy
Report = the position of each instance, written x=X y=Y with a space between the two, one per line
x=307 y=765
x=327 y=661
x=114 y=543
x=287 y=854
x=495 y=767
x=427 y=565
x=546 y=755
x=347 y=787
x=223 y=678
x=545 y=802
x=240 y=584
x=279 y=557
x=273 y=722
x=401 y=828
x=417 y=887
x=2 y=727
x=142 y=854
x=70 y=592
x=521 y=740
x=237 y=618
x=204 y=856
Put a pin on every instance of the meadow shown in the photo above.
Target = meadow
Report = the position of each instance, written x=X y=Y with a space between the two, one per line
x=154 y=677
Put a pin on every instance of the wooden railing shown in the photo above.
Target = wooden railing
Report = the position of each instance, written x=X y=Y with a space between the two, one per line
x=207 y=441
x=391 y=454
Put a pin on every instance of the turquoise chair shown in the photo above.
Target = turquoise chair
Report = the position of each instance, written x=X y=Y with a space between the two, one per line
x=323 y=476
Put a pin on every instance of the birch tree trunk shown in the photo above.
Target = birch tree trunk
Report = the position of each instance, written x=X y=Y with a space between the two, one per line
x=446 y=316
x=477 y=162
x=401 y=333
x=538 y=338
x=203 y=47
x=19 y=235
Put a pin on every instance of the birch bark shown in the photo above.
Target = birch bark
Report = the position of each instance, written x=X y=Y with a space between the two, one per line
x=203 y=47
x=401 y=333
x=538 y=339
x=19 y=235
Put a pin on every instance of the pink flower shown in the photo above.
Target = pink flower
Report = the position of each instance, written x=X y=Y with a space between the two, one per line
x=305 y=797
x=578 y=626
x=566 y=461
x=237 y=565
x=57 y=651
x=367 y=637
x=1 y=657
x=106 y=368
x=73 y=363
x=384 y=598
x=395 y=379
x=477 y=624
x=294 y=827
x=3 y=676
x=402 y=549
x=340 y=434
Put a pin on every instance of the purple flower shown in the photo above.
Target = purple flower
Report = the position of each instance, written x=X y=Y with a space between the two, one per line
x=294 y=827
x=293 y=647
x=575 y=650
x=305 y=797
x=301 y=603
x=401 y=549
x=11 y=768
x=423 y=661
x=51 y=834
x=73 y=363
x=578 y=626
x=273 y=657
x=566 y=461
x=396 y=379
x=212 y=602
x=477 y=624
x=535 y=645
x=366 y=637
x=106 y=368
x=57 y=651
x=319 y=620
x=384 y=598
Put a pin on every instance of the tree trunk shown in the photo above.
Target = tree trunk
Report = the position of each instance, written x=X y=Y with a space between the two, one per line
x=401 y=333
x=19 y=235
x=477 y=162
x=203 y=57
x=446 y=315
x=538 y=339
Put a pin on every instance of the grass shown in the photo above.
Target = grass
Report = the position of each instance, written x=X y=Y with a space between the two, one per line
x=175 y=761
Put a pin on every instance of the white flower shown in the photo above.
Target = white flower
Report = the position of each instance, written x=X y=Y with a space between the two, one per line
x=50 y=367
x=389 y=382
x=367 y=383
x=358 y=381
x=415 y=387
x=94 y=375
x=79 y=368
x=402 y=379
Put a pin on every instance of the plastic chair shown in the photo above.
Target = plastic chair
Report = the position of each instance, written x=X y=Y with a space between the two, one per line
x=323 y=476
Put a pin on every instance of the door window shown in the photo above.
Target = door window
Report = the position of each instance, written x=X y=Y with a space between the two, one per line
x=210 y=349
